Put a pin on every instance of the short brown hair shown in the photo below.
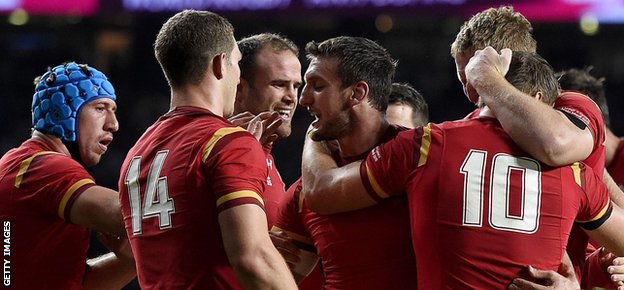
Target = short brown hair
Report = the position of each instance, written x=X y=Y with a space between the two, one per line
x=581 y=80
x=530 y=73
x=405 y=94
x=359 y=59
x=496 y=27
x=250 y=47
x=188 y=41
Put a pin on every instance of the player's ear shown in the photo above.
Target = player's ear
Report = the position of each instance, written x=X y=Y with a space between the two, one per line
x=539 y=96
x=218 y=65
x=360 y=92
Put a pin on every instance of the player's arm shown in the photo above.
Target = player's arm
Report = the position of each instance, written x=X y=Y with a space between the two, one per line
x=97 y=208
x=545 y=133
x=113 y=270
x=255 y=260
x=327 y=188
x=609 y=234
x=615 y=193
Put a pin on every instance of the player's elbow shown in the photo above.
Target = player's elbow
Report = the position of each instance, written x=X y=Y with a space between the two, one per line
x=563 y=150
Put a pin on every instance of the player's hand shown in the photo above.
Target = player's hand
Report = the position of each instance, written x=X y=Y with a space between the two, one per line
x=286 y=248
x=118 y=245
x=485 y=65
x=263 y=127
x=551 y=280
x=616 y=269
x=241 y=119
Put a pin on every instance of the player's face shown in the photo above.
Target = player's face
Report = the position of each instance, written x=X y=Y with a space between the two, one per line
x=326 y=100
x=461 y=60
x=400 y=114
x=233 y=79
x=96 y=124
x=274 y=87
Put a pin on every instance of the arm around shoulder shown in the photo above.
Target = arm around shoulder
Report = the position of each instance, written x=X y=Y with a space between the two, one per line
x=327 y=188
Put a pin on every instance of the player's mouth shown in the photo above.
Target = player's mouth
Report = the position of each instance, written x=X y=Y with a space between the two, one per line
x=284 y=113
x=104 y=142
x=316 y=116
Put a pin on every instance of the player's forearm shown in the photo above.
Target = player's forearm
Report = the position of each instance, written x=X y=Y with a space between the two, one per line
x=610 y=234
x=109 y=272
x=316 y=167
x=264 y=269
x=615 y=193
x=545 y=133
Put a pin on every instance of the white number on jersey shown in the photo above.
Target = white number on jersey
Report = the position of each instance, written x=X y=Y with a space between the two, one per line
x=500 y=218
x=157 y=202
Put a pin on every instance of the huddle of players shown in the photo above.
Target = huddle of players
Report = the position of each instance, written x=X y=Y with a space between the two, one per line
x=199 y=194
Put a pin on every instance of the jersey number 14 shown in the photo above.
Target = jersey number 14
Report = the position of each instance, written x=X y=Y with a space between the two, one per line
x=157 y=202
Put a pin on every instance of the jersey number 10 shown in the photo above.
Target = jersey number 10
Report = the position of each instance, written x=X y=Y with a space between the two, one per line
x=499 y=216
x=157 y=202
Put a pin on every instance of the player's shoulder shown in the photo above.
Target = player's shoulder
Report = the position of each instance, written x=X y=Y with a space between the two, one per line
x=574 y=98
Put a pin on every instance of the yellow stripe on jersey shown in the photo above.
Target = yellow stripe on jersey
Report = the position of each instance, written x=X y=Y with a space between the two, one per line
x=375 y=184
x=424 y=145
x=600 y=214
x=576 y=169
x=239 y=194
x=26 y=163
x=69 y=193
x=294 y=236
x=300 y=202
x=216 y=137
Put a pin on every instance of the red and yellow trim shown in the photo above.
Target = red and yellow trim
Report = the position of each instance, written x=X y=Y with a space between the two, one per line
x=70 y=192
x=26 y=163
x=375 y=185
x=216 y=137
x=239 y=194
x=576 y=170
x=602 y=212
x=424 y=145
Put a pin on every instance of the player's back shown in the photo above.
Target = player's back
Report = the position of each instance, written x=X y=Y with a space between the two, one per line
x=482 y=210
x=170 y=200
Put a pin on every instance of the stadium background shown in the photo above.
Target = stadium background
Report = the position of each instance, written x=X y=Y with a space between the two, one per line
x=117 y=37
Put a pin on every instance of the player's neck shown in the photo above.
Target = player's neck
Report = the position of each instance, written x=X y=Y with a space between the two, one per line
x=54 y=142
x=365 y=134
x=204 y=96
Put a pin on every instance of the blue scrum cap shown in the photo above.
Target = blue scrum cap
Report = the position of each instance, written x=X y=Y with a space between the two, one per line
x=61 y=93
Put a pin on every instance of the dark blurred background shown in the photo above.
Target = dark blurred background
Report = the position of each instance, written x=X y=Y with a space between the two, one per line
x=117 y=36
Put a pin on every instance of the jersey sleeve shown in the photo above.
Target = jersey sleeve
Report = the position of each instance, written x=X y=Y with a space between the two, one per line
x=53 y=190
x=588 y=112
x=595 y=206
x=236 y=168
x=289 y=219
x=386 y=170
